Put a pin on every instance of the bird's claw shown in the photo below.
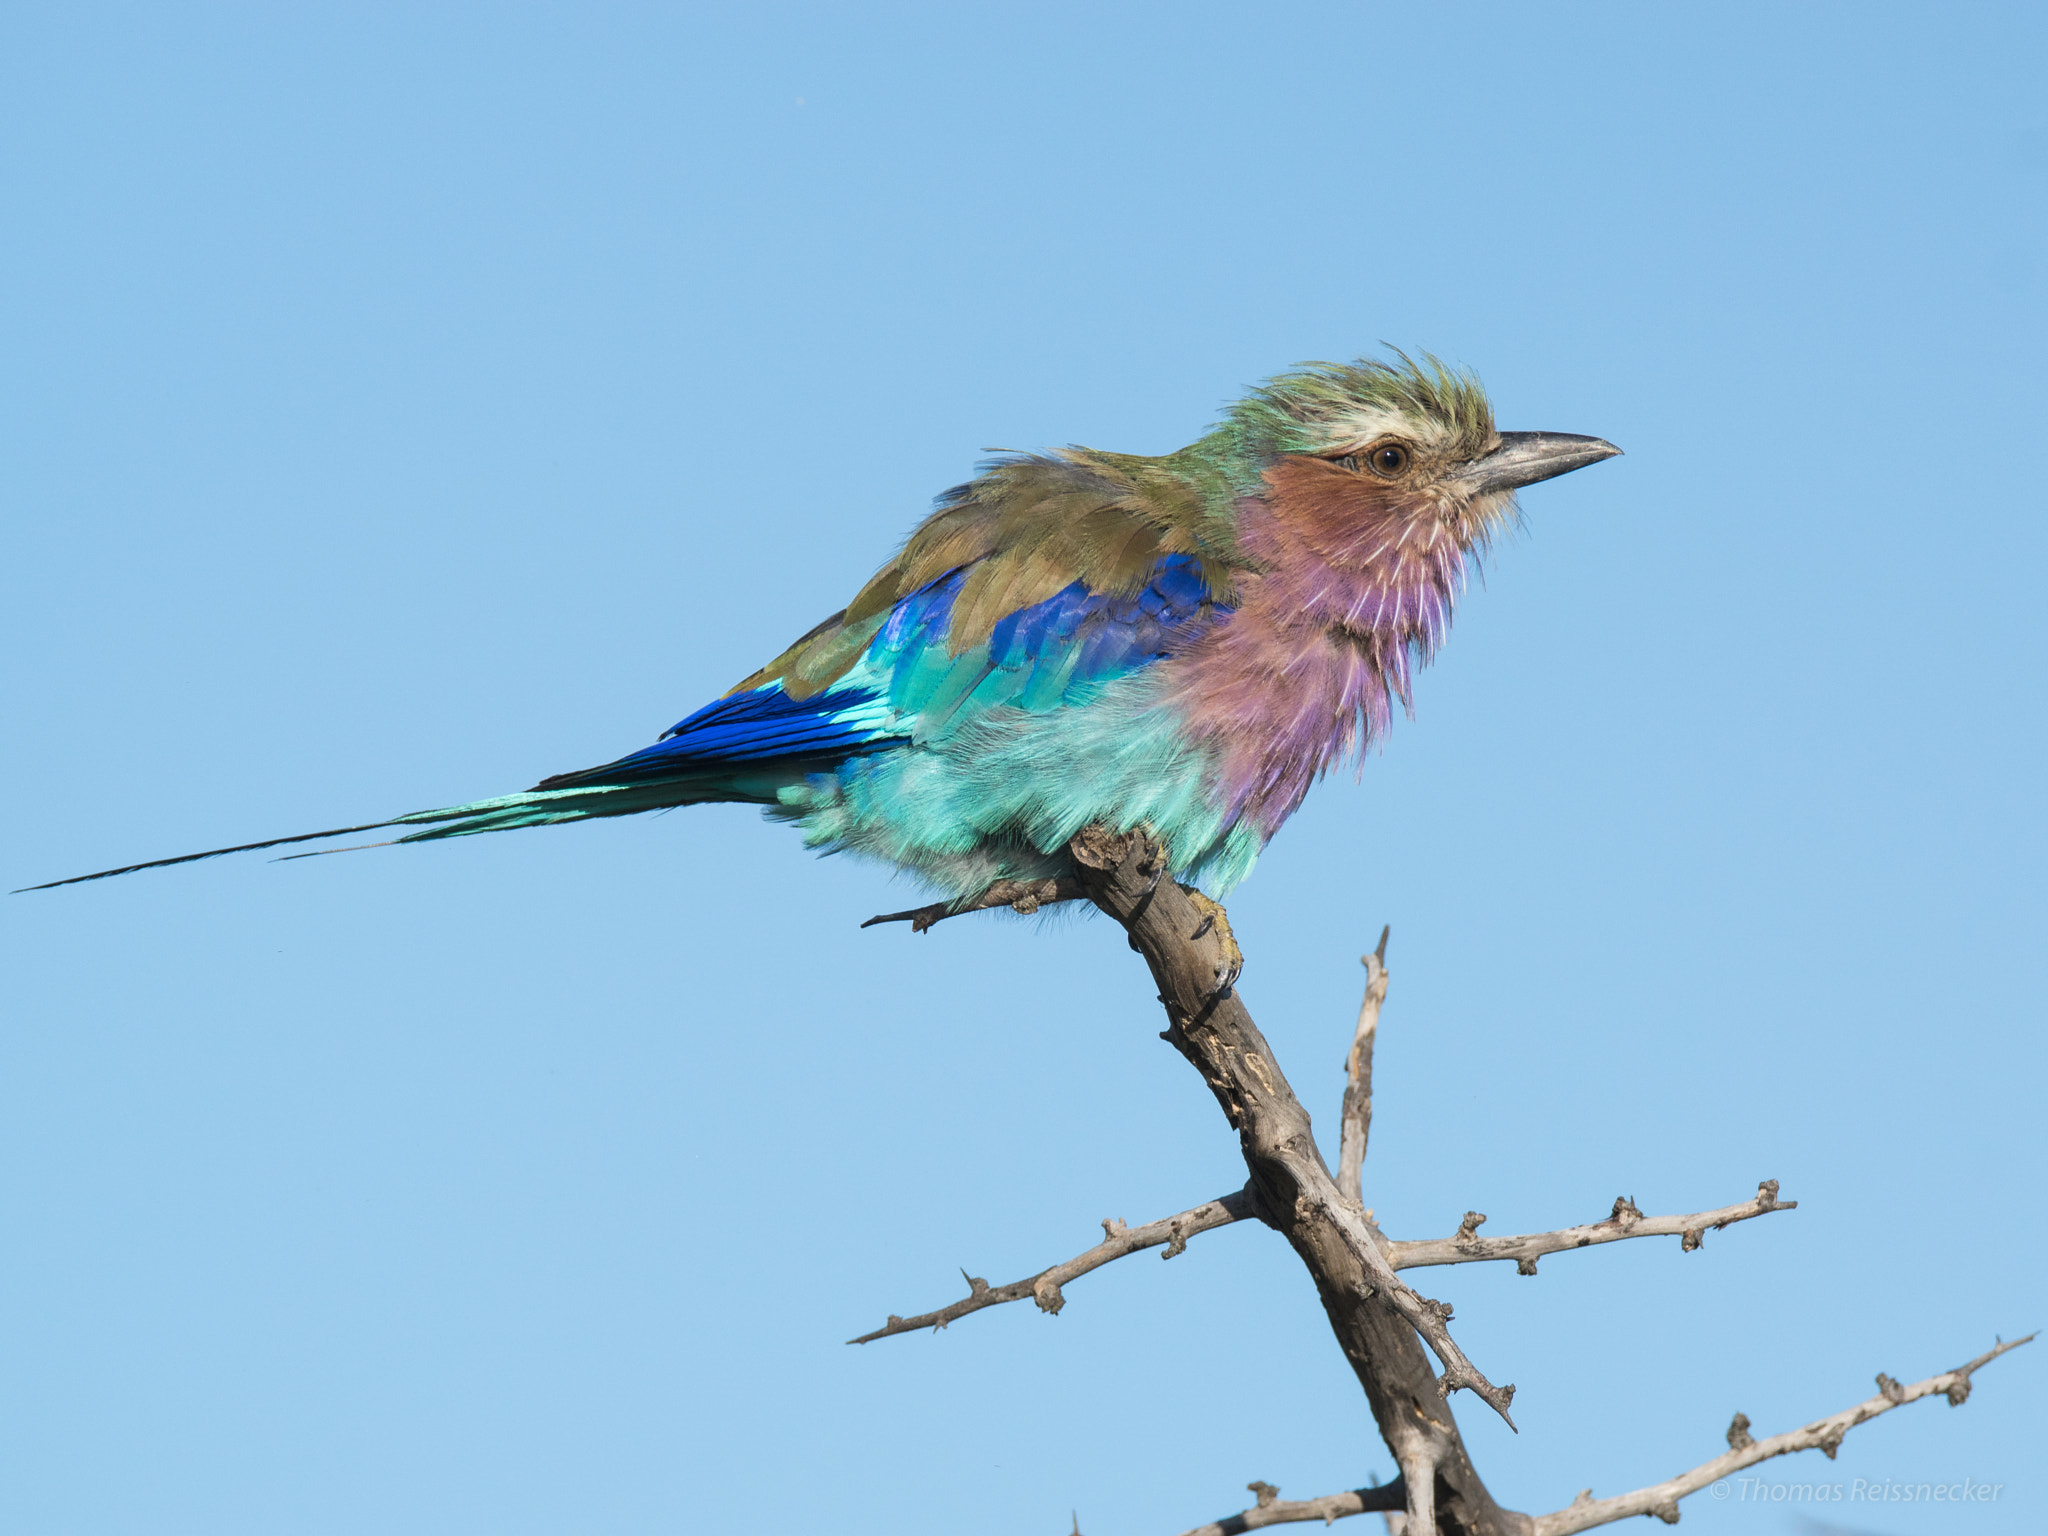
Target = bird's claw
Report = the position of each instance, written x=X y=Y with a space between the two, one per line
x=1216 y=919
x=1156 y=851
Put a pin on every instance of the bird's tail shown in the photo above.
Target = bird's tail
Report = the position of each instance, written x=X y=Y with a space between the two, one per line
x=533 y=808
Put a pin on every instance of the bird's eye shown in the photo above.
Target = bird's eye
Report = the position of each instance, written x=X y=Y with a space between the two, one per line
x=1388 y=459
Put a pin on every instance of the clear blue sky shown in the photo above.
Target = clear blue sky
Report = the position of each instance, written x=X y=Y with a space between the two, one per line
x=404 y=402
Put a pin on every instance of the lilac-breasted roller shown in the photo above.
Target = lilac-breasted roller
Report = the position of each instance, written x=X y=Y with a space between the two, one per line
x=1182 y=643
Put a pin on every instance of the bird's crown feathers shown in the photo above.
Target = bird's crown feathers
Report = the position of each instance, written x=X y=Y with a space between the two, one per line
x=1331 y=408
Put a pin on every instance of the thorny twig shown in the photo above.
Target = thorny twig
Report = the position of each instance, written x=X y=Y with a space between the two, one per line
x=1271 y=1509
x=1044 y=1287
x=1466 y=1246
x=1821 y=1435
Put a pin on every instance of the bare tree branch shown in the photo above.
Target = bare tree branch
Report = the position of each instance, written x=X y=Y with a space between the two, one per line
x=1109 y=856
x=1585 y=1512
x=1375 y=1317
x=1465 y=1246
x=1356 y=1116
x=1044 y=1287
x=1822 y=1435
x=1025 y=896
x=1381 y=1324
x=1271 y=1509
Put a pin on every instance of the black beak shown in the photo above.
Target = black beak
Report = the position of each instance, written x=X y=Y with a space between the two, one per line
x=1523 y=458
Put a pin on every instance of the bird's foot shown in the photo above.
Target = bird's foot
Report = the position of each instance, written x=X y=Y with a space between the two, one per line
x=1216 y=919
x=1025 y=896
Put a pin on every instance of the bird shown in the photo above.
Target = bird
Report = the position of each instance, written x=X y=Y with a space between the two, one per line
x=1179 y=644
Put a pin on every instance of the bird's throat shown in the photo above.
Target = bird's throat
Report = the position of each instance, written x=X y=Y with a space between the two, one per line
x=1353 y=590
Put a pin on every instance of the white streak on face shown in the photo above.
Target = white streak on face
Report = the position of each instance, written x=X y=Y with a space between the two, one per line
x=1360 y=426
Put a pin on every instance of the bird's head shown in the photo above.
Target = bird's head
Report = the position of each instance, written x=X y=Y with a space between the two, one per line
x=1357 y=451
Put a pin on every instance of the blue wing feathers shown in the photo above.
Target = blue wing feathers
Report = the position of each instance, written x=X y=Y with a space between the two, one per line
x=769 y=723
x=910 y=686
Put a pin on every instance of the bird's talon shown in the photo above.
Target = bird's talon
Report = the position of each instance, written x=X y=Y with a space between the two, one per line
x=1215 y=919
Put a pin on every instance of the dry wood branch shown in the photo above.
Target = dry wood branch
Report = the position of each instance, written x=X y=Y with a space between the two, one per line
x=1025 y=896
x=1271 y=1509
x=1467 y=1247
x=1118 y=1240
x=1821 y=1435
x=1375 y=1317
x=1356 y=1116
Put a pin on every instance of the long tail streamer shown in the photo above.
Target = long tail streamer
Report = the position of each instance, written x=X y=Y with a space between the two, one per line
x=534 y=808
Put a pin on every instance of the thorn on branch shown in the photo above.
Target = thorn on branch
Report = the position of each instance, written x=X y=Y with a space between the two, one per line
x=1625 y=1212
x=1739 y=1437
x=976 y=1286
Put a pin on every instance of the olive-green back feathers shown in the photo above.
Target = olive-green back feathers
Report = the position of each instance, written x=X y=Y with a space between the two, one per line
x=1028 y=526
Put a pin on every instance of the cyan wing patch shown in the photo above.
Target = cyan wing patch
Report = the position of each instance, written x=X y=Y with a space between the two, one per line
x=1054 y=653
